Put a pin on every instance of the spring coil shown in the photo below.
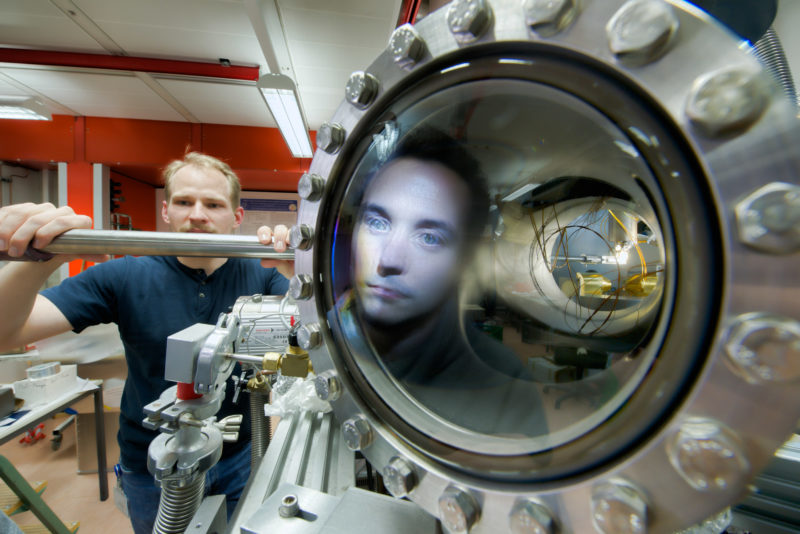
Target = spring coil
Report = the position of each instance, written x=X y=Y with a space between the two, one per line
x=769 y=51
x=260 y=426
x=178 y=504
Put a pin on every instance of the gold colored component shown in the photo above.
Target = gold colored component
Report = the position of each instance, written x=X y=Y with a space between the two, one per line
x=259 y=383
x=639 y=286
x=592 y=284
x=272 y=361
x=295 y=362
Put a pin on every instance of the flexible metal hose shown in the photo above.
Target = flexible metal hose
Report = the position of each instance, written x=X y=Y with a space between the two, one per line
x=769 y=51
x=261 y=427
x=178 y=504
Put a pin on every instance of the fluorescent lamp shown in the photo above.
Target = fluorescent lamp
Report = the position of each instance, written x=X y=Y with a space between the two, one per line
x=23 y=107
x=280 y=94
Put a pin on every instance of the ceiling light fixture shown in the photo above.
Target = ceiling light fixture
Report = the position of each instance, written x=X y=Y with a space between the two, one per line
x=23 y=107
x=281 y=96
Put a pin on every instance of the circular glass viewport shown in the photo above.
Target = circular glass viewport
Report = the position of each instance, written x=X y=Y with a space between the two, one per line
x=503 y=263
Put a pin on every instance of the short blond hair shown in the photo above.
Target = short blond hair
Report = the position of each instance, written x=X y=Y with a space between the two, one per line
x=203 y=161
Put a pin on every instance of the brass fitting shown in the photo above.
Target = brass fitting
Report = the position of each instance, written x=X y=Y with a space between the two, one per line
x=259 y=383
x=295 y=362
x=272 y=361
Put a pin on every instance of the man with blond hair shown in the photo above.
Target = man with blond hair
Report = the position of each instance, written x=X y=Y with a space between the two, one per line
x=149 y=298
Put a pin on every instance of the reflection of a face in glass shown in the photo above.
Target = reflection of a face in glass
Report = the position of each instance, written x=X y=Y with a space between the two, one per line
x=409 y=241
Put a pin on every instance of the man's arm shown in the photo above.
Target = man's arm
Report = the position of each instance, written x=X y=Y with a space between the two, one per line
x=29 y=317
x=25 y=316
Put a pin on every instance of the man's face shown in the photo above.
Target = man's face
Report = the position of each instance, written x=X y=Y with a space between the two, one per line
x=408 y=241
x=201 y=202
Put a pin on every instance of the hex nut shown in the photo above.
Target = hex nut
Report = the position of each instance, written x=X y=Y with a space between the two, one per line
x=641 y=31
x=357 y=433
x=361 y=89
x=727 y=101
x=301 y=237
x=468 y=20
x=764 y=348
x=301 y=287
x=406 y=46
x=330 y=137
x=618 y=508
x=768 y=219
x=310 y=187
x=309 y=336
x=530 y=517
x=328 y=386
x=548 y=17
x=707 y=455
x=399 y=477
x=458 y=509
x=271 y=361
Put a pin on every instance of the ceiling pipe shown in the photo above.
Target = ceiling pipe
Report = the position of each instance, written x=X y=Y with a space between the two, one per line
x=128 y=63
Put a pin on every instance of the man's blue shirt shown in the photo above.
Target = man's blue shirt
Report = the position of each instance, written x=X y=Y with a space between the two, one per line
x=151 y=298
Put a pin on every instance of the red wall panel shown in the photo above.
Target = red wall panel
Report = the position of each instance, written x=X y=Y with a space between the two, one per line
x=22 y=140
x=139 y=202
x=248 y=147
x=130 y=141
x=79 y=196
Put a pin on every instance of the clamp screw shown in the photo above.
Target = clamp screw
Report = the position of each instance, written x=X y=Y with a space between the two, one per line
x=769 y=218
x=309 y=336
x=301 y=287
x=458 y=509
x=310 y=187
x=330 y=137
x=726 y=101
x=707 y=455
x=406 y=46
x=548 y=17
x=468 y=19
x=357 y=433
x=399 y=477
x=361 y=89
x=764 y=348
x=328 y=386
x=530 y=517
x=618 y=508
x=641 y=30
x=301 y=237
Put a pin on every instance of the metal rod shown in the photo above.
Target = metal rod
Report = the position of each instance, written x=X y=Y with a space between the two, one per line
x=136 y=243
x=245 y=358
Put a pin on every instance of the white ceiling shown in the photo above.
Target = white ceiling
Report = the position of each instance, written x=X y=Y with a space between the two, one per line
x=326 y=41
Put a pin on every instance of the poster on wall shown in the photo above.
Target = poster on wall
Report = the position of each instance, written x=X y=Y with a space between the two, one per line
x=267 y=212
x=260 y=209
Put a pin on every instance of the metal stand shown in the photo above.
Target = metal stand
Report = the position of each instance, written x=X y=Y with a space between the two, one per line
x=30 y=498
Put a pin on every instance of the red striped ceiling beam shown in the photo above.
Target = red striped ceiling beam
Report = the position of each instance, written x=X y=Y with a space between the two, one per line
x=220 y=69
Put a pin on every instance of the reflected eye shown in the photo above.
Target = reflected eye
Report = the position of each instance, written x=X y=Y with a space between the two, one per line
x=431 y=240
x=376 y=224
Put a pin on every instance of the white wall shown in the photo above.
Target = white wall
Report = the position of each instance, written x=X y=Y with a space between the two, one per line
x=20 y=184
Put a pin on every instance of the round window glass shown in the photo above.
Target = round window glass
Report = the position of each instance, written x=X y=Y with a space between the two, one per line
x=498 y=264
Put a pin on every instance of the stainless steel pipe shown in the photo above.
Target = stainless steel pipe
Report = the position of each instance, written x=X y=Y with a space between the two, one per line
x=115 y=242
